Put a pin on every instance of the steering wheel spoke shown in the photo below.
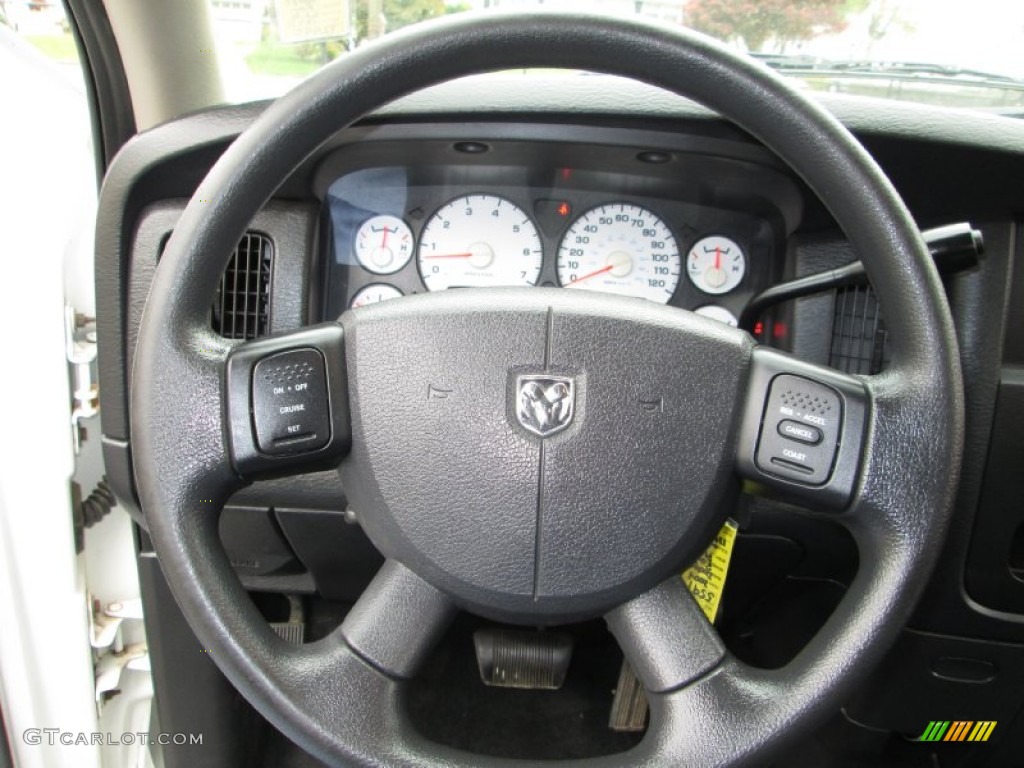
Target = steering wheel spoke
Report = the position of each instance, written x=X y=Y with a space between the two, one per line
x=803 y=429
x=397 y=621
x=666 y=637
x=287 y=402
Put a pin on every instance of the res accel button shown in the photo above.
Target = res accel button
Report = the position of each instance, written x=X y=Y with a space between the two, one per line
x=289 y=402
x=803 y=433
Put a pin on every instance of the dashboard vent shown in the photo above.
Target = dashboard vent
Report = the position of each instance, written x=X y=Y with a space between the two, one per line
x=858 y=332
x=242 y=307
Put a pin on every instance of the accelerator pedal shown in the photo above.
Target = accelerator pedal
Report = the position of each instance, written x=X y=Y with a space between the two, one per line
x=531 y=660
x=294 y=630
x=629 y=707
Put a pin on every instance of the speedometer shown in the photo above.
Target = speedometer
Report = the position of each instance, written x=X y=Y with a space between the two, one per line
x=479 y=241
x=620 y=248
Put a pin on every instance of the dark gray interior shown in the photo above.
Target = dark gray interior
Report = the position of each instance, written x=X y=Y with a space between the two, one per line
x=825 y=576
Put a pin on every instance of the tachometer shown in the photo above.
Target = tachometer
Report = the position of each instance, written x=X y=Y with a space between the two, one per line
x=479 y=241
x=620 y=248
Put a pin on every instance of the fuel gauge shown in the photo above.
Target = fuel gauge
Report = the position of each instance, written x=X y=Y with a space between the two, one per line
x=374 y=293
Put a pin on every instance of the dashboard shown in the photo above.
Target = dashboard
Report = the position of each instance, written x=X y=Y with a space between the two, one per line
x=693 y=230
x=701 y=193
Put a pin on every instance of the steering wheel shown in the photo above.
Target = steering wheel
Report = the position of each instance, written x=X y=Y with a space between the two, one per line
x=544 y=488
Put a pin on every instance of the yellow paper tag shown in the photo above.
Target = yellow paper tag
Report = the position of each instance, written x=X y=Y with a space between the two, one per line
x=706 y=578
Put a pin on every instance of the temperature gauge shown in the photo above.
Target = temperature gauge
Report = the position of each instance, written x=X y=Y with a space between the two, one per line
x=383 y=244
x=716 y=265
x=371 y=294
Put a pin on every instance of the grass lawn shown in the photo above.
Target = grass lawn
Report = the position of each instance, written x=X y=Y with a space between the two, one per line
x=60 y=47
x=271 y=58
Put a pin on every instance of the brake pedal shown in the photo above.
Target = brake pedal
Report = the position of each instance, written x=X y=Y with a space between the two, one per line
x=533 y=660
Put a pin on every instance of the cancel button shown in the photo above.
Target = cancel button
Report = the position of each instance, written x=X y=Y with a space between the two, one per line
x=802 y=433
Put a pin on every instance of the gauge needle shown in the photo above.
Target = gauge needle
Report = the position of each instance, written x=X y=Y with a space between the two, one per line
x=595 y=273
x=718 y=257
x=449 y=256
x=384 y=243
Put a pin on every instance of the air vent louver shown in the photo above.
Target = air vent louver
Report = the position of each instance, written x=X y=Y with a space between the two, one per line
x=242 y=307
x=858 y=332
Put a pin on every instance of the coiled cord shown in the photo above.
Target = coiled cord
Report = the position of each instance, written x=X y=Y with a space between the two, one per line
x=98 y=504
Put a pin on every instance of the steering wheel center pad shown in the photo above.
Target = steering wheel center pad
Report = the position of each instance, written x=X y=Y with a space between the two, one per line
x=448 y=393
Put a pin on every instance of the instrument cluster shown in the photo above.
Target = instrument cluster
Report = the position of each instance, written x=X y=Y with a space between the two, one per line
x=396 y=231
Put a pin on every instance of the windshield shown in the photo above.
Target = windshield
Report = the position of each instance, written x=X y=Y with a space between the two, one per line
x=952 y=52
x=960 y=53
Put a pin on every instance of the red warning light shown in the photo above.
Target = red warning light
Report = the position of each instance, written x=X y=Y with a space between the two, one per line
x=779 y=331
x=564 y=209
x=758 y=328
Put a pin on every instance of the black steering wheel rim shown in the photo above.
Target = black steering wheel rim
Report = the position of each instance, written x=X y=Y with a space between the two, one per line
x=731 y=713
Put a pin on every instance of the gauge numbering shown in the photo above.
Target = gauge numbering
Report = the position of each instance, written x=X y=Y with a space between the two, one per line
x=620 y=248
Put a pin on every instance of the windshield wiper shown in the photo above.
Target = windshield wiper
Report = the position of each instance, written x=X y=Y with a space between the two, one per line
x=803 y=64
x=954 y=248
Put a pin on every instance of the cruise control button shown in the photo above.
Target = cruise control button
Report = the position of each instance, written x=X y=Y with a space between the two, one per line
x=289 y=397
x=801 y=430
x=803 y=433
